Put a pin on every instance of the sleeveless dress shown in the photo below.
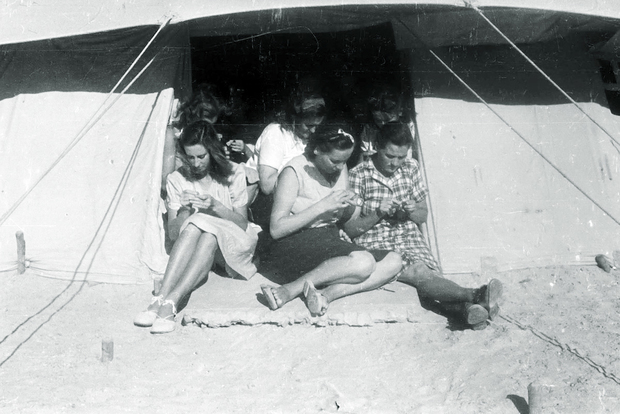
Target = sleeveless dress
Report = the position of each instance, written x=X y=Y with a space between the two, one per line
x=294 y=255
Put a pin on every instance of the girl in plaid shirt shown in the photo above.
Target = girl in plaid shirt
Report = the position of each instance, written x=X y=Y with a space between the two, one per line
x=394 y=204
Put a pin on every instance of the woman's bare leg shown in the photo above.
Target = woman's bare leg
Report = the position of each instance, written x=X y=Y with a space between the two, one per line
x=352 y=269
x=385 y=272
x=182 y=252
x=197 y=268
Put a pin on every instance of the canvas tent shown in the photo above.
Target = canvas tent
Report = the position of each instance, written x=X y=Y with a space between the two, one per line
x=518 y=173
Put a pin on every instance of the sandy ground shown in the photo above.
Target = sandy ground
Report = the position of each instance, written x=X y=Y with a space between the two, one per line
x=51 y=336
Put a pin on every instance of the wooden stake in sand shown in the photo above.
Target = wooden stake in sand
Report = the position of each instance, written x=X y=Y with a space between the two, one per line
x=540 y=399
x=107 y=350
x=21 y=252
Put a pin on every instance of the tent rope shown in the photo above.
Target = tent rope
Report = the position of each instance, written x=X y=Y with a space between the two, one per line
x=536 y=150
x=564 y=347
x=94 y=244
x=511 y=43
x=97 y=115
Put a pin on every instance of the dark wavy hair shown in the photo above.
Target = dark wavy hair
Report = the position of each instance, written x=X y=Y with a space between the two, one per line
x=204 y=134
x=203 y=104
x=397 y=133
x=329 y=137
x=295 y=110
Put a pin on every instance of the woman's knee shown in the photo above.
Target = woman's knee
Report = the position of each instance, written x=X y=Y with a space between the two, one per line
x=190 y=231
x=362 y=264
x=393 y=262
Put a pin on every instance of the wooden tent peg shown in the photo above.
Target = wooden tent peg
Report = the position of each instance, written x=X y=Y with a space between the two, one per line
x=21 y=252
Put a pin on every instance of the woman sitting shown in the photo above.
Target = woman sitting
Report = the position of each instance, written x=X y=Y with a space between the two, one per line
x=207 y=219
x=311 y=197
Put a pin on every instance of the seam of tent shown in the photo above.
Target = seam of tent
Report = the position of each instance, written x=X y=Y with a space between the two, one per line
x=469 y=4
x=97 y=115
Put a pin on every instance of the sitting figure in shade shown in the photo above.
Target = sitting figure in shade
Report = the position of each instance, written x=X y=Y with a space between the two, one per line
x=385 y=105
x=282 y=140
x=307 y=253
x=207 y=219
x=287 y=137
x=394 y=204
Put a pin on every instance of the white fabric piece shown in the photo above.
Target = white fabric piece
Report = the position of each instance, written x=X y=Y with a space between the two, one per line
x=275 y=147
x=84 y=215
x=492 y=195
x=237 y=246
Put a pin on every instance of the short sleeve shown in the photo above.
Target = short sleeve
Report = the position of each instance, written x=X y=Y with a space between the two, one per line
x=174 y=191
x=237 y=188
x=418 y=188
x=356 y=182
x=271 y=153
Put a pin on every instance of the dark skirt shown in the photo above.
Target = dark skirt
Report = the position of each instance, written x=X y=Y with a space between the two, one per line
x=297 y=254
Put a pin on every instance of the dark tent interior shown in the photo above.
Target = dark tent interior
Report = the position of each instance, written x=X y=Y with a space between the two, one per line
x=260 y=69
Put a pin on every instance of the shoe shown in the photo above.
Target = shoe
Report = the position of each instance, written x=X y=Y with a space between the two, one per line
x=475 y=314
x=146 y=318
x=489 y=297
x=166 y=324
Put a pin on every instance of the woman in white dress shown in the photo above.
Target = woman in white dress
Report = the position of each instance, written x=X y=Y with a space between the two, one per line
x=207 y=220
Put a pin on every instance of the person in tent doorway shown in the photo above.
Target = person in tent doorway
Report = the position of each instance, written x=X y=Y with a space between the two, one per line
x=285 y=139
x=394 y=204
x=385 y=105
x=311 y=197
x=207 y=219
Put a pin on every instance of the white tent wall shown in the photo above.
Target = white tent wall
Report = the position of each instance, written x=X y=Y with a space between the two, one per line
x=484 y=200
x=97 y=214
x=493 y=195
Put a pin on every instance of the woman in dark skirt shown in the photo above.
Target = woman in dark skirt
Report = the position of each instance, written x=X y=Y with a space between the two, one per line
x=310 y=200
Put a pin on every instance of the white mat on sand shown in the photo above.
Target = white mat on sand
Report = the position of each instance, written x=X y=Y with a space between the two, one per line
x=222 y=302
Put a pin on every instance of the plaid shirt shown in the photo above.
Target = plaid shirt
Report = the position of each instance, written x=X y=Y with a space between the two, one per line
x=390 y=234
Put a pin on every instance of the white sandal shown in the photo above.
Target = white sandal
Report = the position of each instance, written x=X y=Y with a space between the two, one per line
x=146 y=318
x=167 y=324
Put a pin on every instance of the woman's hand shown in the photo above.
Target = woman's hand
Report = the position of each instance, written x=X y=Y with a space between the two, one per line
x=203 y=203
x=336 y=202
x=236 y=145
x=387 y=207
x=409 y=206
x=187 y=198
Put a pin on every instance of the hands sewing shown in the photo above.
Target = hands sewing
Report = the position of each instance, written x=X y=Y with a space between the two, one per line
x=399 y=210
x=203 y=203
x=337 y=201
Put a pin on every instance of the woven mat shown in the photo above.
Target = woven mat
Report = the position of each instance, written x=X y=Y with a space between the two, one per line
x=222 y=302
